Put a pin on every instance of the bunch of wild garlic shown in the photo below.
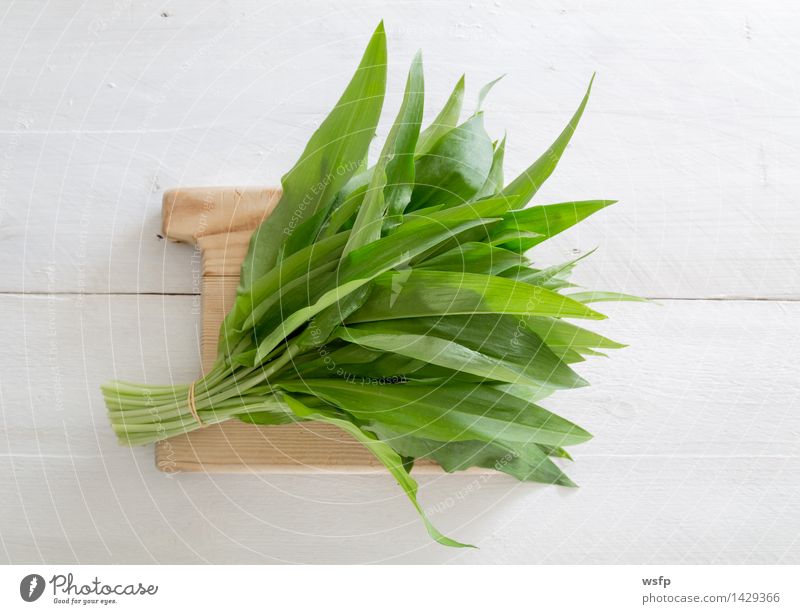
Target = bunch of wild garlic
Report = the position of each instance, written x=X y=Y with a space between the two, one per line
x=396 y=301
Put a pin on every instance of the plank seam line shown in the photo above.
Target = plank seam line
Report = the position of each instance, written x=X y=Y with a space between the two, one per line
x=67 y=293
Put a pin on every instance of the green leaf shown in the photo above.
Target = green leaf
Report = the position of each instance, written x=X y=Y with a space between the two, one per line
x=346 y=204
x=455 y=168
x=558 y=333
x=484 y=92
x=338 y=359
x=382 y=366
x=534 y=277
x=556 y=452
x=400 y=168
x=529 y=182
x=393 y=177
x=544 y=221
x=530 y=466
x=292 y=292
x=267 y=343
x=600 y=297
x=459 y=412
x=444 y=353
x=513 y=235
x=494 y=180
x=271 y=284
x=369 y=219
x=569 y=355
x=499 y=339
x=306 y=233
x=324 y=323
x=474 y=257
x=361 y=266
x=430 y=293
x=526 y=393
x=368 y=261
x=383 y=452
x=444 y=122
x=331 y=157
x=589 y=352
x=553 y=277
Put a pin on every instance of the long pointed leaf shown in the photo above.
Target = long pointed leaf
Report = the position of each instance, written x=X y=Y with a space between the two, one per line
x=544 y=222
x=460 y=412
x=331 y=157
x=384 y=453
x=360 y=267
x=430 y=293
x=393 y=177
x=606 y=297
x=447 y=354
x=446 y=120
x=455 y=168
x=529 y=182
x=558 y=333
x=500 y=337
x=494 y=180
x=532 y=465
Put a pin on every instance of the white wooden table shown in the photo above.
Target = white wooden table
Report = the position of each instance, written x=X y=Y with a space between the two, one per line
x=694 y=126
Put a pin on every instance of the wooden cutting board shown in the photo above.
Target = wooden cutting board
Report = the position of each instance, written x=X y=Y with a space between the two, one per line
x=219 y=222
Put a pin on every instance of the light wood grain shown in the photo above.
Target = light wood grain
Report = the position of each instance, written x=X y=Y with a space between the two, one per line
x=220 y=222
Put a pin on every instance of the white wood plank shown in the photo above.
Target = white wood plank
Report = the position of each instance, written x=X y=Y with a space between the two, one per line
x=693 y=125
x=695 y=455
x=666 y=511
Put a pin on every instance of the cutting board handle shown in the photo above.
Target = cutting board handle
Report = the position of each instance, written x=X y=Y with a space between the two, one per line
x=219 y=221
x=188 y=214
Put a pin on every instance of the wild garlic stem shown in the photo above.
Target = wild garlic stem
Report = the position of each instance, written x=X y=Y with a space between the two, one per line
x=142 y=414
